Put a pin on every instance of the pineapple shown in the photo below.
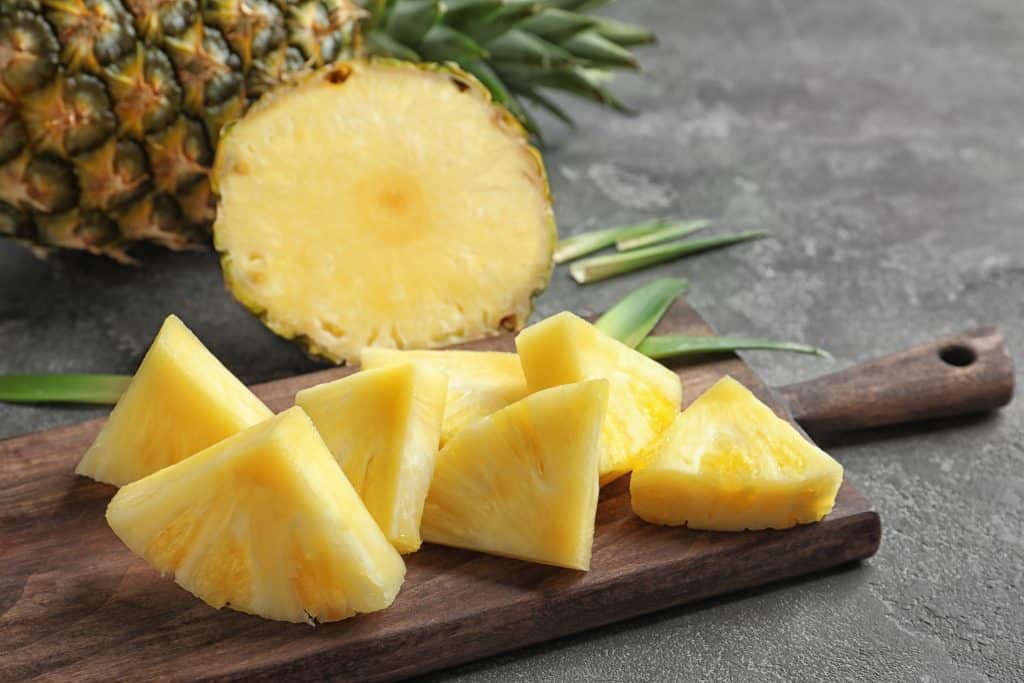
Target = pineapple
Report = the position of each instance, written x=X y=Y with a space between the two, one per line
x=110 y=110
x=180 y=401
x=424 y=233
x=728 y=463
x=645 y=395
x=264 y=522
x=383 y=427
x=479 y=382
x=522 y=482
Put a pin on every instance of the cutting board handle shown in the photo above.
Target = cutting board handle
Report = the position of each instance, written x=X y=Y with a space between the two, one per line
x=966 y=373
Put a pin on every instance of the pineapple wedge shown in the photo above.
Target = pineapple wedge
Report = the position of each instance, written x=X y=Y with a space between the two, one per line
x=180 y=401
x=728 y=463
x=479 y=382
x=645 y=395
x=264 y=522
x=522 y=482
x=383 y=426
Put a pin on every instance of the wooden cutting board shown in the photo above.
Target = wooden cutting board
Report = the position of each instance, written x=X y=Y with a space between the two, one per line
x=76 y=604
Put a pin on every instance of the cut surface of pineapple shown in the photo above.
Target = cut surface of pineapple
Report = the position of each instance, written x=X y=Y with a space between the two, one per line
x=728 y=463
x=522 y=482
x=479 y=382
x=383 y=428
x=383 y=204
x=645 y=395
x=180 y=401
x=264 y=522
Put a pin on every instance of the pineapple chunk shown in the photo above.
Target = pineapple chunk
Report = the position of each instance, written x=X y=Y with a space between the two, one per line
x=180 y=401
x=383 y=426
x=264 y=522
x=523 y=482
x=479 y=382
x=645 y=395
x=728 y=463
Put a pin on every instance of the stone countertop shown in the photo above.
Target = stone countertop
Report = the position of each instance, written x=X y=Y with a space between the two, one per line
x=882 y=145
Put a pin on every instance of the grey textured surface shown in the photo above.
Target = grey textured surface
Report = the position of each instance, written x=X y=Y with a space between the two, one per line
x=882 y=144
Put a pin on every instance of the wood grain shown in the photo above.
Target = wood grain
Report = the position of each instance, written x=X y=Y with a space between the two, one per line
x=76 y=604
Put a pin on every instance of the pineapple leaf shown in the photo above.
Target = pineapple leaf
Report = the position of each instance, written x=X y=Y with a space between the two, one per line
x=622 y=33
x=409 y=21
x=445 y=44
x=520 y=46
x=556 y=24
x=589 y=242
x=604 y=267
x=99 y=389
x=633 y=317
x=545 y=103
x=500 y=93
x=673 y=346
x=505 y=18
x=458 y=12
x=380 y=44
x=594 y=48
x=669 y=231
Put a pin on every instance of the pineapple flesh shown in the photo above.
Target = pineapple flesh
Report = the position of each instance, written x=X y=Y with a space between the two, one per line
x=383 y=427
x=645 y=396
x=522 y=482
x=383 y=204
x=180 y=401
x=728 y=463
x=479 y=382
x=263 y=522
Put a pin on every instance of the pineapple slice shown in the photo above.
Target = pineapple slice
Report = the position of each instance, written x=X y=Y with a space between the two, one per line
x=383 y=204
x=264 y=522
x=180 y=401
x=383 y=426
x=645 y=395
x=479 y=382
x=523 y=482
x=728 y=463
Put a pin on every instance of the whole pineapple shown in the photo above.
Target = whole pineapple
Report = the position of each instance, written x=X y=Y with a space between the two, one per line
x=110 y=110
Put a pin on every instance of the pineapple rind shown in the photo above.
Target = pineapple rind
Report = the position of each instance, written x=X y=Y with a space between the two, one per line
x=264 y=522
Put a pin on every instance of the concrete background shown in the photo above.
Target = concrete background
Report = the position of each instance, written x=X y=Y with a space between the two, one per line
x=882 y=144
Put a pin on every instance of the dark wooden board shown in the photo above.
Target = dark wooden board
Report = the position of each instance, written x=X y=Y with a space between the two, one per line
x=76 y=604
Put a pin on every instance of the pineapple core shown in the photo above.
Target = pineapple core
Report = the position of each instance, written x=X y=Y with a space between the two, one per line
x=180 y=401
x=728 y=463
x=382 y=204
x=383 y=428
x=264 y=522
x=645 y=395
x=522 y=482
x=479 y=382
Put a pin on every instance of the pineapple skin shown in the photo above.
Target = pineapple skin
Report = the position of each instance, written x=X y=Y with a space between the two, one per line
x=728 y=463
x=383 y=427
x=263 y=522
x=180 y=401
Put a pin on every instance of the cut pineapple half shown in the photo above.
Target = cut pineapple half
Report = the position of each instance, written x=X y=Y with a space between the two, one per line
x=263 y=522
x=645 y=395
x=180 y=401
x=383 y=204
x=522 y=482
x=728 y=463
x=383 y=427
x=479 y=382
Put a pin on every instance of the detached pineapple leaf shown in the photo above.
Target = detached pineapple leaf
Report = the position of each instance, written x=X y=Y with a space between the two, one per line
x=98 y=389
x=633 y=318
x=589 y=242
x=603 y=267
x=669 y=231
x=673 y=346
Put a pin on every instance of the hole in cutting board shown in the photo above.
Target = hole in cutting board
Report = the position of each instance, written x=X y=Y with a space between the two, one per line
x=959 y=355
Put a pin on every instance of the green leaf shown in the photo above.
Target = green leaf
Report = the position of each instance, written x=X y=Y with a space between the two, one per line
x=556 y=24
x=592 y=47
x=519 y=46
x=672 y=346
x=633 y=318
x=457 y=12
x=445 y=44
x=380 y=44
x=587 y=84
x=545 y=103
x=589 y=242
x=410 y=20
x=670 y=230
x=603 y=267
x=102 y=389
x=505 y=18
x=621 y=33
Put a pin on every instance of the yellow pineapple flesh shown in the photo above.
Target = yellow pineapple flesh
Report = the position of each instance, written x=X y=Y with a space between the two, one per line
x=522 y=482
x=180 y=401
x=382 y=204
x=479 y=382
x=383 y=427
x=264 y=522
x=729 y=463
x=645 y=396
